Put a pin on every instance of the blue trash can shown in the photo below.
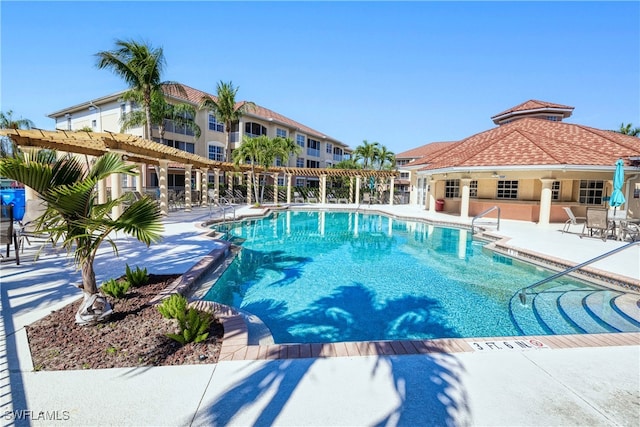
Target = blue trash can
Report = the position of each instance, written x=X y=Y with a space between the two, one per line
x=15 y=197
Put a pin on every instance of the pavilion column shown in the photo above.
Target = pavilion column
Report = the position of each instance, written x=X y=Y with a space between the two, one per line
x=357 y=199
x=392 y=190
x=275 y=188
x=249 y=186
x=163 y=175
x=350 y=189
x=289 y=181
x=102 y=191
x=116 y=192
x=141 y=169
x=431 y=197
x=323 y=189
x=230 y=182
x=187 y=188
x=464 y=203
x=216 y=185
x=29 y=193
x=204 y=182
x=545 y=201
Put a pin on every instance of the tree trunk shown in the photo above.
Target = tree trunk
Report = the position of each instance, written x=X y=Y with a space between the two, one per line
x=95 y=307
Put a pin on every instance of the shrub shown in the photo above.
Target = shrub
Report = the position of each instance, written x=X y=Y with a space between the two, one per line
x=116 y=289
x=194 y=326
x=137 y=277
x=173 y=307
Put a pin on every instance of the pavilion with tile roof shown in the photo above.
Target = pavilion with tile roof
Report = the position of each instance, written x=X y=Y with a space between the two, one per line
x=531 y=166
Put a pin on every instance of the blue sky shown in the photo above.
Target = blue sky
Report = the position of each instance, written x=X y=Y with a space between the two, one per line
x=400 y=73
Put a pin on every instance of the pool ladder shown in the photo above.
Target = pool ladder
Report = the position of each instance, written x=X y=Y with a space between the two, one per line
x=482 y=214
x=522 y=294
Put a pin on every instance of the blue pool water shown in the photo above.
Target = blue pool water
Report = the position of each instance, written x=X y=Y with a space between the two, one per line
x=345 y=276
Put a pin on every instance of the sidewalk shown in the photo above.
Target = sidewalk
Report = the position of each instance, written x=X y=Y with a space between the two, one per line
x=577 y=386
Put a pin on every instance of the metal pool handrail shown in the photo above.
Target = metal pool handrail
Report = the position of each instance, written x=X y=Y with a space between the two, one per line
x=481 y=214
x=523 y=291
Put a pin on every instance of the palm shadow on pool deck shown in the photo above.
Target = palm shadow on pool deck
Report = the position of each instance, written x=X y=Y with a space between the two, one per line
x=352 y=313
x=375 y=390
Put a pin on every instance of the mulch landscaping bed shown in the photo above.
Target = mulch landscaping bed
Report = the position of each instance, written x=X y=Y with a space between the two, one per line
x=133 y=336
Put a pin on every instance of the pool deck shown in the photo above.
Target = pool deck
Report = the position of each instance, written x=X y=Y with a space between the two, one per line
x=547 y=380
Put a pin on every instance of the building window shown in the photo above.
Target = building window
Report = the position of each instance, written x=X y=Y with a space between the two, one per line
x=254 y=129
x=337 y=154
x=214 y=124
x=68 y=122
x=300 y=182
x=216 y=153
x=473 y=189
x=123 y=109
x=278 y=161
x=299 y=162
x=452 y=188
x=405 y=175
x=507 y=190
x=300 y=140
x=555 y=190
x=553 y=118
x=94 y=123
x=281 y=181
x=591 y=192
x=313 y=148
x=282 y=133
x=313 y=164
x=329 y=148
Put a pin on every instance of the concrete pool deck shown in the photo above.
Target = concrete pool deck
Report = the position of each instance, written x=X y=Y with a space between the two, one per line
x=593 y=380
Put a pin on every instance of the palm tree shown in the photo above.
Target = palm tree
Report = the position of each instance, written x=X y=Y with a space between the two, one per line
x=7 y=121
x=140 y=66
x=628 y=130
x=273 y=148
x=181 y=114
x=74 y=216
x=384 y=158
x=225 y=109
x=250 y=151
x=366 y=152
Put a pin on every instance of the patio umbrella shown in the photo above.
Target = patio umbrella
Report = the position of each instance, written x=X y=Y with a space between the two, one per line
x=617 y=198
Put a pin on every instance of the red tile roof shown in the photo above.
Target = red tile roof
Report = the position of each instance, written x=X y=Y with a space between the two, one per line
x=531 y=142
x=534 y=105
x=425 y=153
x=195 y=96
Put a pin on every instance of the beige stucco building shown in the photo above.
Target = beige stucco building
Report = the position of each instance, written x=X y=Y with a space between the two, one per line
x=530 y=166
x=318 y=150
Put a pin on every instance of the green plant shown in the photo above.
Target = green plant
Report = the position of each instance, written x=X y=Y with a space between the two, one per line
x=116 y=289
x=111 y=350
x=137 y=277
x=194 y=326
x=173 y=307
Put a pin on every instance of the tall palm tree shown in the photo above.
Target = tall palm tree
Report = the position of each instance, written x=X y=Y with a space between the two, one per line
x=225 y=109
x=181 y=114
x=273 y=148
x=628 y=130
x=7 y=121
x=75 y=217
x=384 y=158
x=140 y=66
x=367 y=153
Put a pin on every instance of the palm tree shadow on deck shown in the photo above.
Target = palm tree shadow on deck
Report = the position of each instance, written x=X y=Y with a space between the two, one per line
x=407 y=390
x=419 y=389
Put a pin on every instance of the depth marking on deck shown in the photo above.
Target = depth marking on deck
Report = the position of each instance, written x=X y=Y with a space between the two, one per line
x=508 y=345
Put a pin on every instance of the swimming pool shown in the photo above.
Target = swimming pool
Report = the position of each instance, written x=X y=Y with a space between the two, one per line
x=346 y=276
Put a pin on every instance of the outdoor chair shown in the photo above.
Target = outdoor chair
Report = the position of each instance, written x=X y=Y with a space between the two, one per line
x=297 y=198
x=629 y=230
x=597 y=223
x=311 y=197
x=573 y=220
x=8 y=235
x=34 y=209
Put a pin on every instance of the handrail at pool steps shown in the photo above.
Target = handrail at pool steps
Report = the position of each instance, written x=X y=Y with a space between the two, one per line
x=223 y=204
x=482 y=214
x=523 y=292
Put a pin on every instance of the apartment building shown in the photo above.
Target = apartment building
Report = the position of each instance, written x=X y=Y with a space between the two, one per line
x=318 y=150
